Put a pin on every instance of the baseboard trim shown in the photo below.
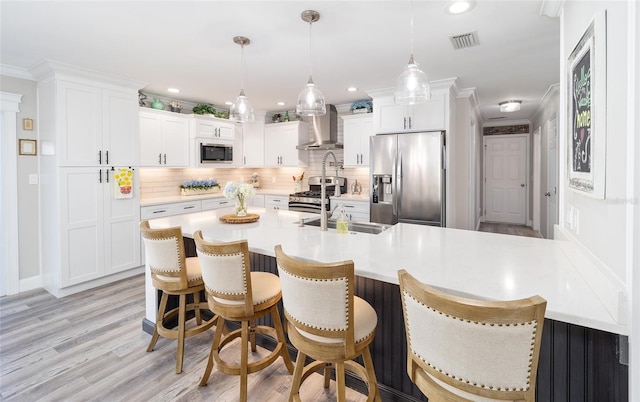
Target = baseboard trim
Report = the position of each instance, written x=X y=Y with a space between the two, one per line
x=35 y=282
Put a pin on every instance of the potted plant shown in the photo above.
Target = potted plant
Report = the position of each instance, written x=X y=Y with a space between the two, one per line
x=362 y=106
x=175 y=106
x=203 y=108
x=199 y=186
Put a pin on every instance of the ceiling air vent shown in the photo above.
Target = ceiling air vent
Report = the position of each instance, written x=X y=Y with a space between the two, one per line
x=464 y=41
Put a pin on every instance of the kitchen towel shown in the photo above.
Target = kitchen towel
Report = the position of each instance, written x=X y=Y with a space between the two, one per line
x=123 y=179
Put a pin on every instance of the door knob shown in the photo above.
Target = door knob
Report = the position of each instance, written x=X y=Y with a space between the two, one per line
x=547 y=194
x=522 y=185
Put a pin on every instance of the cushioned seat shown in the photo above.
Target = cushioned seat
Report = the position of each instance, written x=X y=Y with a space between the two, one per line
x=235 y=293
x=326 y=322
x=174 y=274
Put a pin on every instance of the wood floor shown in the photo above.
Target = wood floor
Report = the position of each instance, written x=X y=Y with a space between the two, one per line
x=91 y=347
x=505 y=228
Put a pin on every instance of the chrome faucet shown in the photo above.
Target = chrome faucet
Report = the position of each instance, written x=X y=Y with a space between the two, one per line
x=324 y=216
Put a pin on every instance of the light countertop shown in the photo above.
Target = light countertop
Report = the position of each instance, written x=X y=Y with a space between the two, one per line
x=477 y=264
x=151 y=201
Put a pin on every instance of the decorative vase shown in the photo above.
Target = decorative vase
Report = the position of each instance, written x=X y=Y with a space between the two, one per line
x=157 y=104
x=175 y=109
x=241 y=207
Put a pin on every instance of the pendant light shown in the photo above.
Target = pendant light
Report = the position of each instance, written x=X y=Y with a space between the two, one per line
x=241 y=110
x=412 y=85
x=310 y=100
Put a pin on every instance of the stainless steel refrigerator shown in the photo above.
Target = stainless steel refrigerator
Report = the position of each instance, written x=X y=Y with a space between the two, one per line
x=408 y=178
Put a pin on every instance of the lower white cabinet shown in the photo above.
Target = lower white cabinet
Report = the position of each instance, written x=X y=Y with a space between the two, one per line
x=160 y=211
x=356 y=210
x=217 y=203
x=96 y=235
x=276 y=202
x=257 y=200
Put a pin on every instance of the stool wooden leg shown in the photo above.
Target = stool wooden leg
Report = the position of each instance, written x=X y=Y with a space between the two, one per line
x=327 y=374
x=220 y=329
x=340 y=391
x=196 y=306
x=277 y=325
x=374 y=393
x=294 y=393
x=252 y=336
x=159 y=320
x=182 y=314
x=244 y=360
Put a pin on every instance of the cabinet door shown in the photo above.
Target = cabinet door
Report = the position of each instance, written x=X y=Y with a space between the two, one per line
x=429 y=115
x=226 y=131
x=214 y=129
x=276 y=202
x=281 y=140
x=366 y=131
x=121 y=228
x=80 y=118
x=120 y=128
x=150 y=140
x=352 y=142
x=253 y=146
x=81 y=224
x=175 y=141
x=392 y=118
x=257 y=201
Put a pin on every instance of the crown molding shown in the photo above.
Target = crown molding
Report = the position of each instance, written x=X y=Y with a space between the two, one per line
x=438 y=86
x=47 y=69
x=16 y=72
x=552 y=92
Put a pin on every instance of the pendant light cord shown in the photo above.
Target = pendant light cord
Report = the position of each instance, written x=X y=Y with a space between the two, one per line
x=310 y=60
x=242 y=68
x=411 y=25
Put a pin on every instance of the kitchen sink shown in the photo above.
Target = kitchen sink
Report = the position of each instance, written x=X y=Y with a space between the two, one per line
x=360 y=227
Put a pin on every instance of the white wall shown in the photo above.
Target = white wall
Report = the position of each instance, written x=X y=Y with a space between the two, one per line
x=28 y=218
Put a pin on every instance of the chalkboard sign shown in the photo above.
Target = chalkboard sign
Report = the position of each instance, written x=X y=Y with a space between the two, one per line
x=581 y=77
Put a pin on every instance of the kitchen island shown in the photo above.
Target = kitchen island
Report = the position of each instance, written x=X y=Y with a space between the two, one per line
x=580 y=336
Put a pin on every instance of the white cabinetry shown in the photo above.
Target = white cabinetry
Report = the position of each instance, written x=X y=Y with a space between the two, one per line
x=388 y=117
x=213 y=128
x=280 y=141
x=253 y=143
x=357 y=129
x=356 y=210
x=217 y=203
x=276 y=202
x=258 y=201
x=164 y=139
x=88 y=125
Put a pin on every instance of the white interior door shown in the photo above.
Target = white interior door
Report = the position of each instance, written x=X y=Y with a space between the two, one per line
x=506 y=178
x=552 y=177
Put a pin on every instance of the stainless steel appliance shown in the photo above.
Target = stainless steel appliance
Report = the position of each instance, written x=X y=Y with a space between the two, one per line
x=310 y=201
x=408 y=178
x=215 y=153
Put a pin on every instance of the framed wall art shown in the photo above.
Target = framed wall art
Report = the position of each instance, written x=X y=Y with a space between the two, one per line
x=586 y=116
x=27 y=147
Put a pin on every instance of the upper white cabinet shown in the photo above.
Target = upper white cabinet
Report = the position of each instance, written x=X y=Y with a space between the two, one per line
x=213 y=128
x=357 y=128
x=388 y=117
x=280 y=141
x=164 y=139
x=97 y=126
x=253 y=143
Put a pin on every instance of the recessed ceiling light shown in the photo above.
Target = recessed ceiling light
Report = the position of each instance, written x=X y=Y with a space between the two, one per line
x=281 y=103
x=228 y=103
x=352 y=89
x=173 y=90
x=460 y=6
x=510 y=106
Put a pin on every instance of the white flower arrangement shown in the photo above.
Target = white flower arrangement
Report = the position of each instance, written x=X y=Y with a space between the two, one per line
x=239 y=192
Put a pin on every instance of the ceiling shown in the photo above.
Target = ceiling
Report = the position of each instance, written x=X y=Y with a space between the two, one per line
x=366 y=44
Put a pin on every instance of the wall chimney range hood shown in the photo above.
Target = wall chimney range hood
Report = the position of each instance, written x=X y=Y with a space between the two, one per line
x=325 y=131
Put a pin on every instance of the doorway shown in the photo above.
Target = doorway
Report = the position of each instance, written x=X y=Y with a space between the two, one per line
x=506 y=161
x=552 y=177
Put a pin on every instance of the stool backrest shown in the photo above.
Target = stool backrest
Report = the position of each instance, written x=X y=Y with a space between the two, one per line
x=471 y=347
x=165 y=256
x=226 y=272
x=318 y=300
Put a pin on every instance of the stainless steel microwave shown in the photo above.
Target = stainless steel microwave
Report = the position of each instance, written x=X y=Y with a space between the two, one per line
x=216 y=153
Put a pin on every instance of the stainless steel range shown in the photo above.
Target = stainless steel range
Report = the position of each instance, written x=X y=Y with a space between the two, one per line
x=309 y=201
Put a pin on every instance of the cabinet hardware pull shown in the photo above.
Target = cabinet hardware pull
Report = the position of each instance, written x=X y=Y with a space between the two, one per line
x=99 y=157
x=99 y=175
x=409 y=122
x=189 y=207
x=224 y=202
x=106 y=175
x=106 y=154
x=165 y=159
x=159 y=159
x=405 y=123
x=160 y=211
x=348 y=206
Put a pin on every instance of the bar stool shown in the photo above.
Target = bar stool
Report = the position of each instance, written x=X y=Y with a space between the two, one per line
x=463 y=349
x=235 y=293
x=173 y=274
x=326 y=322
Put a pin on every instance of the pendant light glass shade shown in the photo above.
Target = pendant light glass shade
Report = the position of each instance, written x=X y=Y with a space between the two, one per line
x=241 y=110
x=310 y=100
x=412 y=85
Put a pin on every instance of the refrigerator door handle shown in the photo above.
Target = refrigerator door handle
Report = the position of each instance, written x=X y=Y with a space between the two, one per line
x=398 y=187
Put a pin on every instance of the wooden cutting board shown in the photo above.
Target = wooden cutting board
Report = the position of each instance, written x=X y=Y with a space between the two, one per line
x=232 y=218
